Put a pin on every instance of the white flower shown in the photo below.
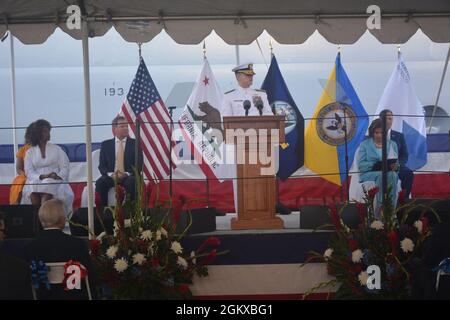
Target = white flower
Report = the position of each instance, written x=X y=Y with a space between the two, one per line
x=357 y=255
x=419 y=226
x=121 y=265
x=163 y=232
x=182 y=262
x=362 y=277
x=194 y=259
x=377 y=225
x=138 y=258
x=112 y=251
x=127 y=223
x=407 y=245
x=158 y=235
x=328 y=253
x=176 y=247
x=146 y=235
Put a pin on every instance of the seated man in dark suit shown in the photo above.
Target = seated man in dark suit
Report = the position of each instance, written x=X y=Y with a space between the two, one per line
x=117 y=160
x=53 y=245
x=15 y=277
x=405 y=174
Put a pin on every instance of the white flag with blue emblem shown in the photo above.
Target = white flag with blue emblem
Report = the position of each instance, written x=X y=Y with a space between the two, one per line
x=399 y=97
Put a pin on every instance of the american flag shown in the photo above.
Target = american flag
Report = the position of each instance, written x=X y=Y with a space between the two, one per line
x=144 y=103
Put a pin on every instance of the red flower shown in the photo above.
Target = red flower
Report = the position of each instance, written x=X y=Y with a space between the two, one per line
x=335 y=218
x=120 y=194
x=155 y=263
x=94 y=245
x=393 y=240
x=402 y=196
x=211 y=241
x=209 y=258
x=372 y=192
x=353 y=244
x=98 y=203
x=184 y=288
x=358 y=269
x=120 y=218
x=362 y=211
x=425 y=224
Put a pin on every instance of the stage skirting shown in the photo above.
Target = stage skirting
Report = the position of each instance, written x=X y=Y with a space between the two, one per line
x=259 y=264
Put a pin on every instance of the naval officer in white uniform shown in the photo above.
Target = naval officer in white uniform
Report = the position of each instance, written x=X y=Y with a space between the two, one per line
x=244 y=100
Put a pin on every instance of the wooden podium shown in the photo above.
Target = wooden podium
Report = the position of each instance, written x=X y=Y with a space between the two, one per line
x=256 y=191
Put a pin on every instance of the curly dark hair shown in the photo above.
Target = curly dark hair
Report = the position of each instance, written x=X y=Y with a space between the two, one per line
x=36 y=131
x=373 y=126
x=28 y=132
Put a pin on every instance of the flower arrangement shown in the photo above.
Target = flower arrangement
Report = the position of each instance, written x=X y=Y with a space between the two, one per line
x=388 y=243
x=144 y=258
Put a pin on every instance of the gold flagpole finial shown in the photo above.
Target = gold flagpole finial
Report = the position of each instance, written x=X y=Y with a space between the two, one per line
x=204 y=49
x=339 y=48
x=271 y=46
x=398 y=50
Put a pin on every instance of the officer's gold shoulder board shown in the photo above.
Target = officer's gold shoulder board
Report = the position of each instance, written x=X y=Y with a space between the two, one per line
x=230 y=91
x=260 y=90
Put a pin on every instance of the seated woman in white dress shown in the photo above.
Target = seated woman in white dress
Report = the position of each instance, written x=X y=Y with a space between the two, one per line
x=47 y=168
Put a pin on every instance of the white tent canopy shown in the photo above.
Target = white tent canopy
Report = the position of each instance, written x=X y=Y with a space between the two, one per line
x=235 y=21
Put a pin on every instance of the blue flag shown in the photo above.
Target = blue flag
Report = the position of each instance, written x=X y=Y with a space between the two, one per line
x=292 y=152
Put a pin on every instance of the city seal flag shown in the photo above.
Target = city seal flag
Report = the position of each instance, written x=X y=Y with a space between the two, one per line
x=201 y=124
x=339 y=117
x=280 y=99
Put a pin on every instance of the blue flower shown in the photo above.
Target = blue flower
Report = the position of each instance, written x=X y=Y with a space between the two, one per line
x=367 y=257
x=390 y=269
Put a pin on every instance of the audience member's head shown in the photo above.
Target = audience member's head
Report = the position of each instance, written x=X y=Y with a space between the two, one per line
x=389 y=117
x=2 y=227
x=120 y=127
x=52 y=214
x=40 y=132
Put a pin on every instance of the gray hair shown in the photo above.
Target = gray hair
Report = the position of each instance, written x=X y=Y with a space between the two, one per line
x=52 y=213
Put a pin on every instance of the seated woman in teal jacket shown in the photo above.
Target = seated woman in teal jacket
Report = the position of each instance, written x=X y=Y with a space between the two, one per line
x=370 y=153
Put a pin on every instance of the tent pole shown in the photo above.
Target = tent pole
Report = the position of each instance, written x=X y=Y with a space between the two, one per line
x=440 y=88
x=13 y=97
x=87 y=115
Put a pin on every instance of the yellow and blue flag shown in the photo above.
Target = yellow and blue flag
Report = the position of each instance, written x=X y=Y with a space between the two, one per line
x=339 y=116
x=291 y=153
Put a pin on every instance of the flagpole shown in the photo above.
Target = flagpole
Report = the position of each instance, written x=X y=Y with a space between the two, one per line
x=208 y=204
x=138 y=134
x=87 y=115
x=13 y=96
x=171 y=108
x=347 y=185
x=440 y=88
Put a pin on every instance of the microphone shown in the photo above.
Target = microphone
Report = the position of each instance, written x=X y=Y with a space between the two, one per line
x=247 y=106
x=259 y=106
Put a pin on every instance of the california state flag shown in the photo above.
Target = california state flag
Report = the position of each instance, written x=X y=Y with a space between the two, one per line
x=201 y=124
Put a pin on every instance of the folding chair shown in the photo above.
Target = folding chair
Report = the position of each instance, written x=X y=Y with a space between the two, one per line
x=56 y=276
